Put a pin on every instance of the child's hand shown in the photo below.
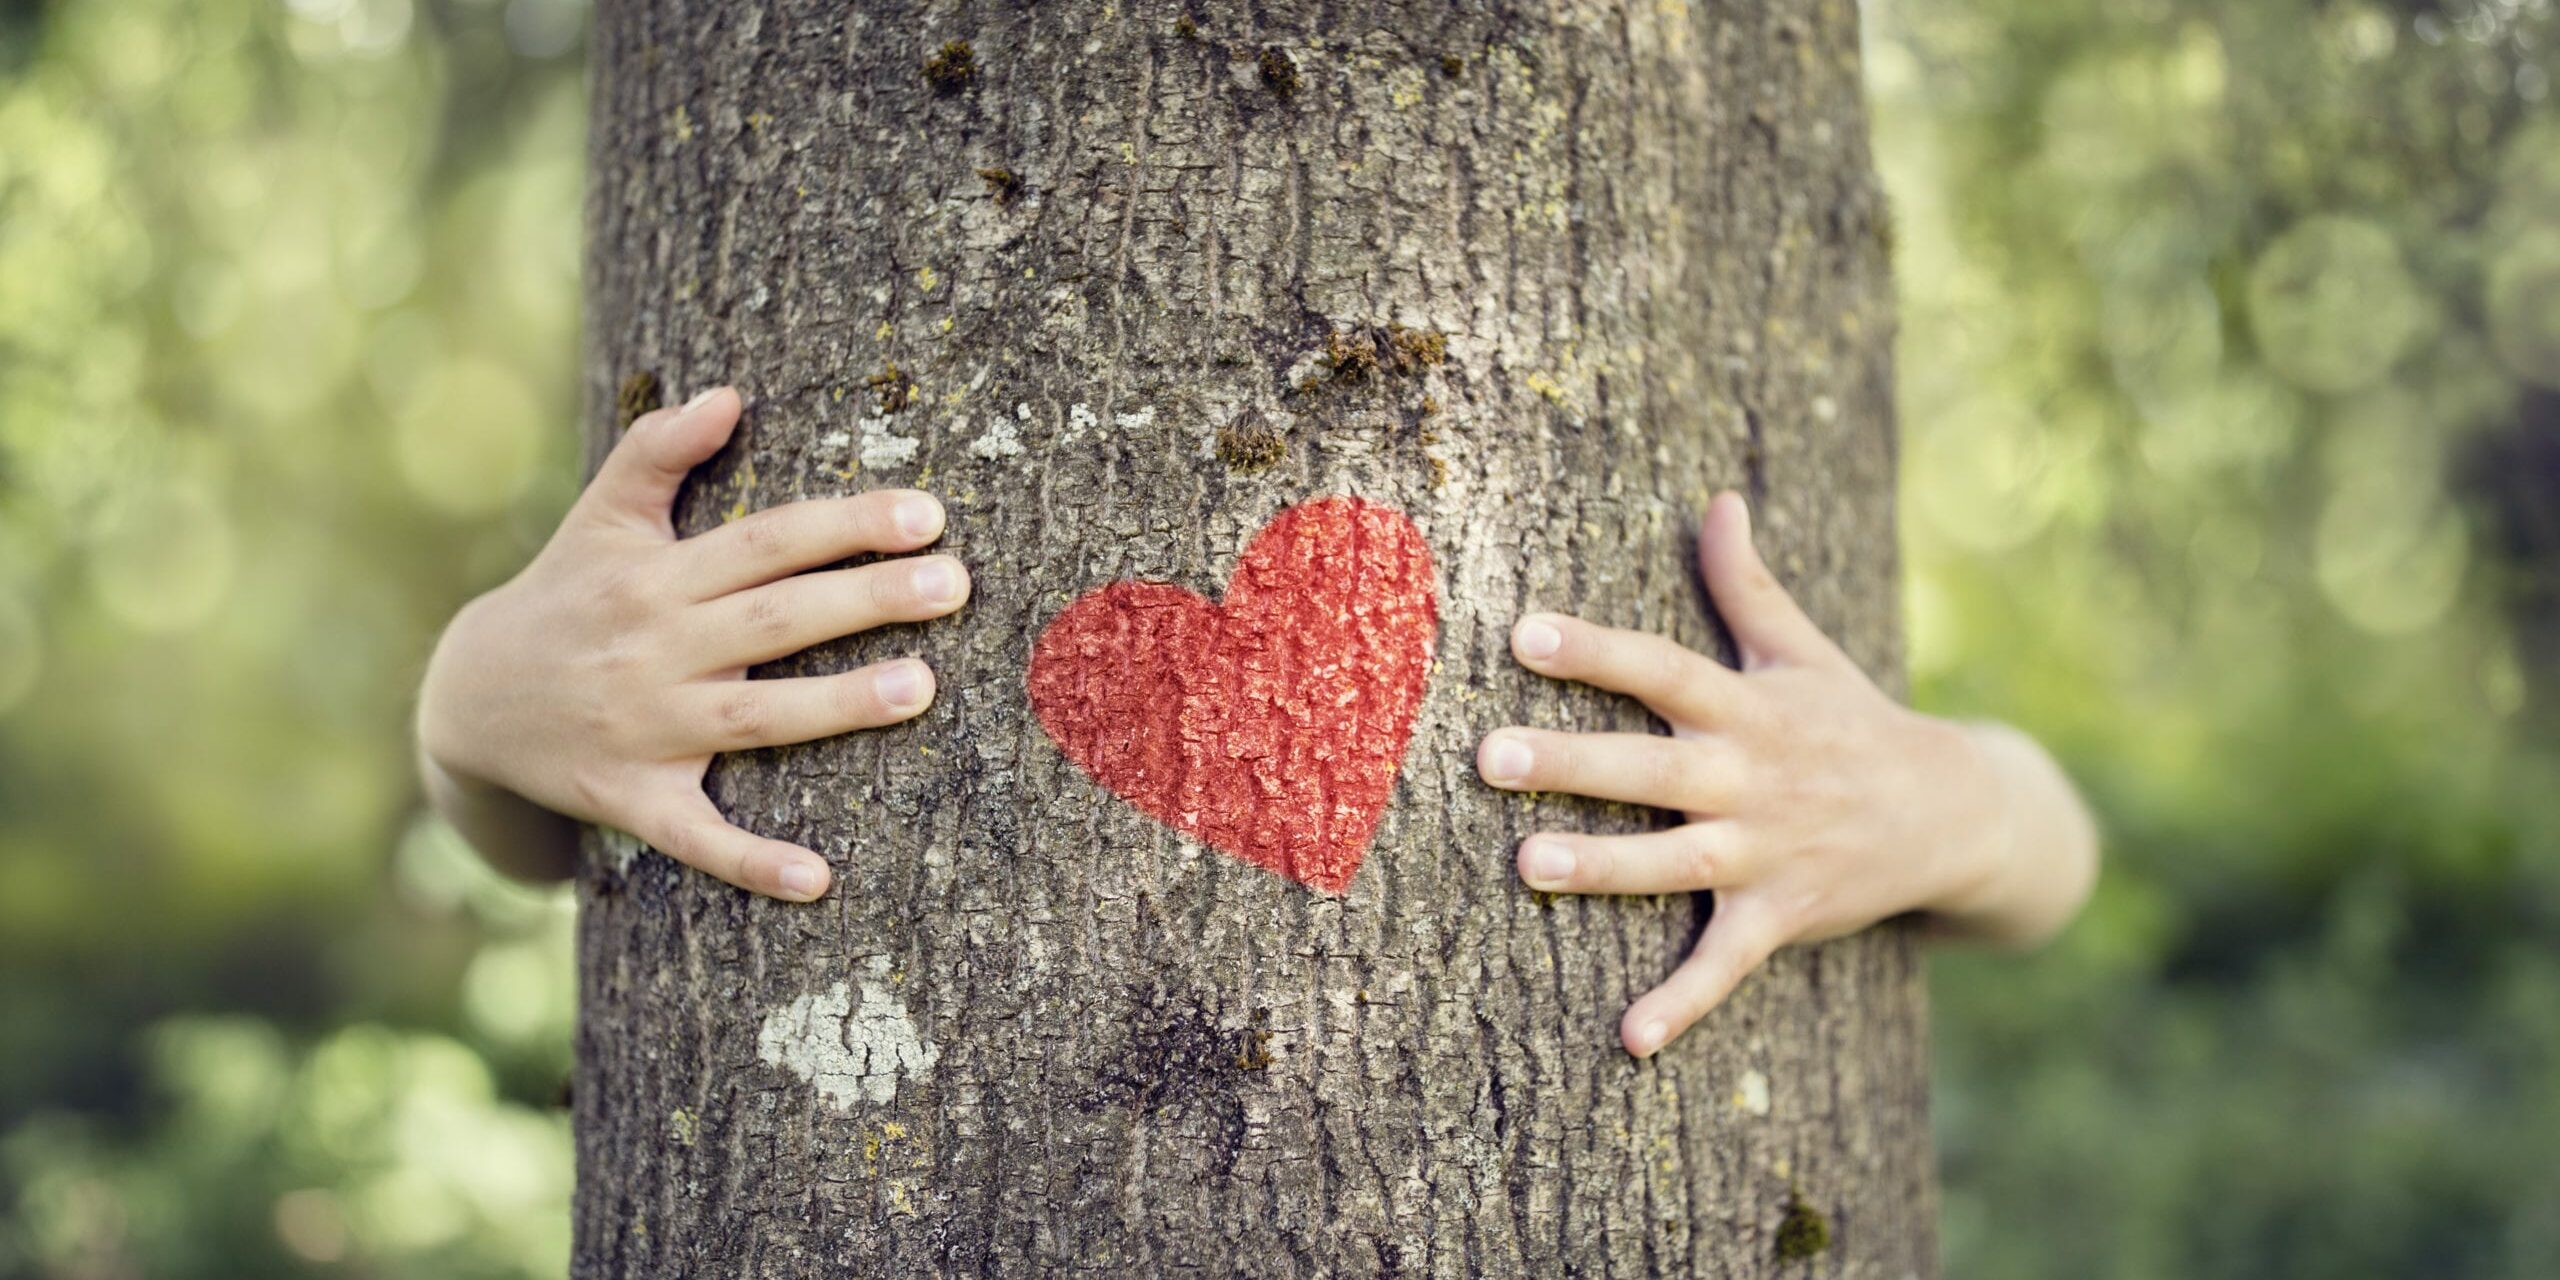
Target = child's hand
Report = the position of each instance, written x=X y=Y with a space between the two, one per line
x=1816 y=806
x=599 y=682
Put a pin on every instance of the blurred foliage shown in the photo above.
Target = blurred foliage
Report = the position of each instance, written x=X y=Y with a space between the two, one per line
x=2230 y=332
x=288 y=342
x=2231 y=387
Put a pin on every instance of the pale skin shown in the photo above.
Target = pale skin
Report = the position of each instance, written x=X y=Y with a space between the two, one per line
x=597 y=686
x=1813 y=805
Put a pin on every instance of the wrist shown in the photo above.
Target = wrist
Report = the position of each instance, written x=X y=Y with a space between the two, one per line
x=2039 y=847
x=1986 y=856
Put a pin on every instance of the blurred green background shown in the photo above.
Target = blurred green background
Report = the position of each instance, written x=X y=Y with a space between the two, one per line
x=2231 y=386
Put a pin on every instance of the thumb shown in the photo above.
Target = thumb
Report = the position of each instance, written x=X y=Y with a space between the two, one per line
x=639 y=479
x=1766 y=622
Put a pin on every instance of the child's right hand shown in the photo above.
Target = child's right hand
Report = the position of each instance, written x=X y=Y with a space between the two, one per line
x=599 y=682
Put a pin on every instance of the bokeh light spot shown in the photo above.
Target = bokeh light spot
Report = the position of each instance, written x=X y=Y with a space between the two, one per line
x=162 y=555
x=2332 y=305
x=469 y=439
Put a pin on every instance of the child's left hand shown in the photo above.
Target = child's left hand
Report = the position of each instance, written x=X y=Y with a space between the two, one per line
x=1815 y=804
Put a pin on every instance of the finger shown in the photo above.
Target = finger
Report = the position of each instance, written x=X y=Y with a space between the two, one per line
x=785 y=617
x=693 y=832
x=780 y=541
x=1679 y=683
x=638 y=481
x=1766 y=622
x=742 y=715
x=1638 y=768
x=1695 y=855
x=1736 y=942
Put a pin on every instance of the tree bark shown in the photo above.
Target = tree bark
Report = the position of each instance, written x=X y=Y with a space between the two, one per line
x=1122 y=283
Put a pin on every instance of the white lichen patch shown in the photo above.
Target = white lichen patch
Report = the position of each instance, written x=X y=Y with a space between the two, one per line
x=851 y=1053
x=620 y=848
x=1079 y=419
x=1138 y=421
x=1000 y=440
x=882 y=447
x=1751 y=1094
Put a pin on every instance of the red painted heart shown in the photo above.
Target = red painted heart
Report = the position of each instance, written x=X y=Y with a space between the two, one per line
x=1269 y=727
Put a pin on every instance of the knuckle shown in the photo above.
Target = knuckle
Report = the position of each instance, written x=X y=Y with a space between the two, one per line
x=624 y=594
x=1700 y=862
x=589 y=789
x=1595 y=866
x=1665 y=771
x=1665 y=669
x=858 y=701
x=1554 y=760
x=887 y=588
x=869 y=517
x=768 y=614
x=742 y=716
x=674 y=838
x=761 y=536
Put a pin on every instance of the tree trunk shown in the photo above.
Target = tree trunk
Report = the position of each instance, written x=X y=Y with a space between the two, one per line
x=1124 y=283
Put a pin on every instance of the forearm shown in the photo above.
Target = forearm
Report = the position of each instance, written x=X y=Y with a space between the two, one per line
x=2041 y=851
x=521 y=839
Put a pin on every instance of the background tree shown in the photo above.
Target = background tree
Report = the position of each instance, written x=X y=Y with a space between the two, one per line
x=1123 y=283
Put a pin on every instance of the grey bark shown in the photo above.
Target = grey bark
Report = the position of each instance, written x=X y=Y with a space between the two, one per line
x=1034 y=1032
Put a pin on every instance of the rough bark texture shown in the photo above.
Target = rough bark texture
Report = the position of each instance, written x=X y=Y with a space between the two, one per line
x=1105 y=277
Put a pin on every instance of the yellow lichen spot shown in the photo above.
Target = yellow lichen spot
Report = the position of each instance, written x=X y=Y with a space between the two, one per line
x=1031 y=273
x=927 y=278
x=1128 y=153
x=746 y=485
x=1404 y=88
x=898 y=1201
x=882 y=333
x=839 y=395
x=757 y=120
x=682 y=123
x=804 y=190
x=946 y=324
x=924 y=750
x=893 y=1130
x=1547 y=386
x=871 y=1147
x=683 y=1127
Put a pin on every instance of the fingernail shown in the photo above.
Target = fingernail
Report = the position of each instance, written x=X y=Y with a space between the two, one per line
x=919 y=517
x=1548 y=864
x=1537 y=639
x=803 y=881
x=902 y=686
x=1649 y=1037
x=699 y=400
x=1506 y=760
x=937 y=582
